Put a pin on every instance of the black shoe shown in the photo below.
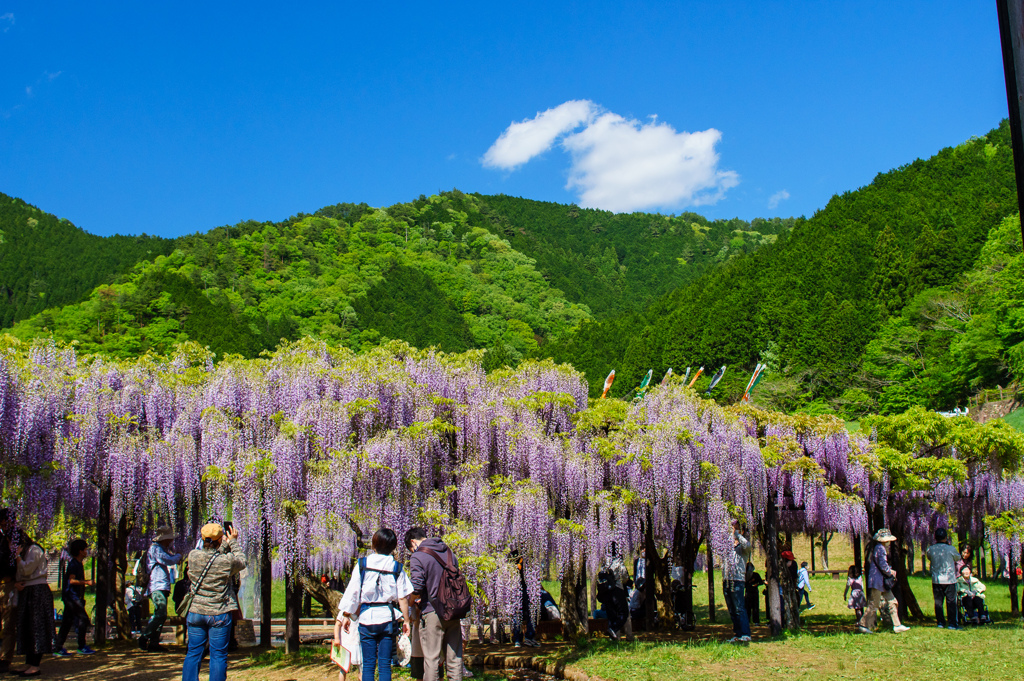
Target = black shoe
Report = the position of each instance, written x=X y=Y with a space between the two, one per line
x=156 y=649
x=143 y=643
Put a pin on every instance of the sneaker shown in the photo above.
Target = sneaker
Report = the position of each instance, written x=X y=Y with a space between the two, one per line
x=744 y=639
x=63 y=652
x=900 y=629
x=86 y=651
x=954 y=627
x=734 y=639
x=532 y=643
x=466 y=674
x=517 y=644
x=811 y=606
x=612 y=634
x=864 y=630
x=941 y=626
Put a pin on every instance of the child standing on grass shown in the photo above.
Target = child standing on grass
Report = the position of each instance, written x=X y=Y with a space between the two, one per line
x=803 y=583
x=855 y=587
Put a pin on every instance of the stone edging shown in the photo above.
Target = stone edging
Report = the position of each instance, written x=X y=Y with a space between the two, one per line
x=559 y=670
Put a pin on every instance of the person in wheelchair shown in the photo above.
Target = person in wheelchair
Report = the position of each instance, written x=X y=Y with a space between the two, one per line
x=971 y=593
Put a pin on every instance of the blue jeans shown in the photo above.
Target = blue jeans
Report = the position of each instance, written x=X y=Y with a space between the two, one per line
x=215 y=629
x=377 y=643
x=735 y=601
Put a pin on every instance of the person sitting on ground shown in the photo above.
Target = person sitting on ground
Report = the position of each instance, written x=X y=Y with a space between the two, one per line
x=942 y=558
x=881 y=580
x=803 y=585
x=73 y=595
x=209 y=616
x=549 y=611
x=751 y=598
x=972 y=594
x=855 y=588
x=378 y=583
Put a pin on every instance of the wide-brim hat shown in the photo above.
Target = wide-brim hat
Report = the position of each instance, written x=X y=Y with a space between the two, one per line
x=787 y=555
x=164 y=533
x=884 y=535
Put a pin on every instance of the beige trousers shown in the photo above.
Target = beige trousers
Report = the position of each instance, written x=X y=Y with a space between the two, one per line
x=875 y=596
x=437 y=636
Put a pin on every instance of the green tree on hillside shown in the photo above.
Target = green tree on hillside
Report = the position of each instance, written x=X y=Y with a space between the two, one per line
x=889 y=281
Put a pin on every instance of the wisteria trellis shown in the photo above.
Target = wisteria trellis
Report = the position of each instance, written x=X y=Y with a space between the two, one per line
x=311 y=440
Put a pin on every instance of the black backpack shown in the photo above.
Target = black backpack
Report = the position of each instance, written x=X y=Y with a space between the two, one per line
x=605 y=585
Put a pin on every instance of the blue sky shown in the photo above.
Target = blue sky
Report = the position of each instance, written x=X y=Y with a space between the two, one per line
x=138 y=117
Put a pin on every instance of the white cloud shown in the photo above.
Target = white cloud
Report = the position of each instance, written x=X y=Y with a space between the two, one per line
x=522 y=141
x=52 y=76
x=774 y=199
x=6 y=21
x=620 y=164
x=28 y=90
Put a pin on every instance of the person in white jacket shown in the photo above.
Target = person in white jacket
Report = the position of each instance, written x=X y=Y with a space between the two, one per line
x=35 y=605
x=378 y=594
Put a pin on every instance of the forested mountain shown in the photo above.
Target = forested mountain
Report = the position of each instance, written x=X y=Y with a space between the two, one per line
x=617 y=263
x=48 y=262
x=436 y=271
x=872 y=303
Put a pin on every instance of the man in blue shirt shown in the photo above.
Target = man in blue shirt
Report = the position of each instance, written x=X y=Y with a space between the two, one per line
x=158 y=561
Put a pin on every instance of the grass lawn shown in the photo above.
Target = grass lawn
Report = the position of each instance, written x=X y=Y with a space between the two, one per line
x=1016 y=418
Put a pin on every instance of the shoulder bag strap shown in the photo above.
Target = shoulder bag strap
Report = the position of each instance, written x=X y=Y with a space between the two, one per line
x=194 y=589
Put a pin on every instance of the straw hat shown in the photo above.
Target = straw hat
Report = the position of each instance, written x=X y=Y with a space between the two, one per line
x=884 y=535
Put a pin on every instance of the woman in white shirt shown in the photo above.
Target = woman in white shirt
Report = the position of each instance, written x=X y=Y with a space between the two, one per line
x=377 y=582
x=35 y=605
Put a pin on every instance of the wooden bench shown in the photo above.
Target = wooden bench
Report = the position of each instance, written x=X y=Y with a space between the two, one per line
x=834 y=574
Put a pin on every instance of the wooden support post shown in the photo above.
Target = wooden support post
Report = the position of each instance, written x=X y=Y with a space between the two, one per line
x=266 y=590
x=774 y=613
x=711 y=582
x=101 y=565
x=813 y=568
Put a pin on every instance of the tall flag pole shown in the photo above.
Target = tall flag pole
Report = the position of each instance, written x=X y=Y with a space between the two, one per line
x=686 y=378
x=608 y=384
x=695 y=377
x=715 y=379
